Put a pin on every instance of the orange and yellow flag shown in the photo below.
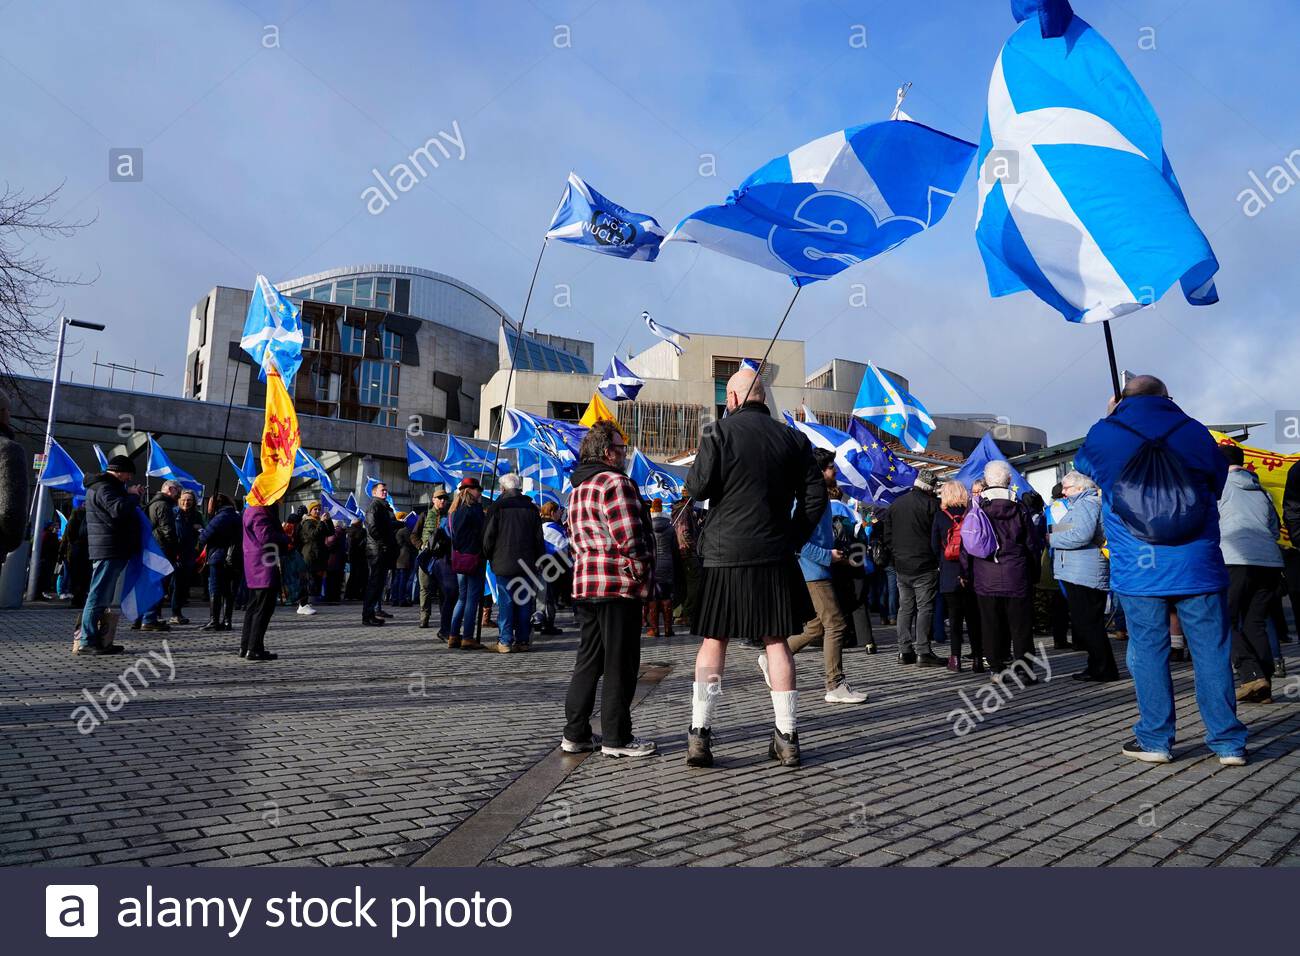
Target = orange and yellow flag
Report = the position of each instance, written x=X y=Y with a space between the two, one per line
x=598 y=411
x=280 y=441
x=1271 y=469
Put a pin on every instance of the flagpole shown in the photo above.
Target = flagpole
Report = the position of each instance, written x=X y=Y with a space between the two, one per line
x=221 y=457
x=495 y=442
x=1110 y=353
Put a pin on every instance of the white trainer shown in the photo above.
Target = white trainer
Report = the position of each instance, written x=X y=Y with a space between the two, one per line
x=636 y=747
x=306 y=610
x=844 y=694
x=762 y=665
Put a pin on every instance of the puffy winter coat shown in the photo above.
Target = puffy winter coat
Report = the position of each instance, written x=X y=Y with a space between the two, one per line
x=112 y=518
x=1076 y=541
x=1248 y=522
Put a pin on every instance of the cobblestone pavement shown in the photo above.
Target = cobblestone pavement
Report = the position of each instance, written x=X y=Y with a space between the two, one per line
x=369 y=746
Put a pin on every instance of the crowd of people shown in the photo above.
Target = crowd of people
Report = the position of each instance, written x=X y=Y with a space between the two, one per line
x=1158 y=536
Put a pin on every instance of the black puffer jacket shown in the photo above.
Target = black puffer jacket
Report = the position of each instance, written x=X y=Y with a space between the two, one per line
x=908 y=524
x=221 y=534
x=381 y=532
x=753 y=471
x=112 y=522
x=512 y=536
x=162 y=515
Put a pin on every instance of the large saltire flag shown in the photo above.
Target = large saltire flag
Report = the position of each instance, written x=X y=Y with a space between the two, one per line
x=620 y=383
x=836 y=201
x=598 y=411
x=246 y=472
x=586 y=218
x=280 y=443
x=305 y=466
x=1078 y=202
x=539 y=470
x=885 y=404
x=339 y=511
x=160 y=466
x=849 y=469
x=142 y=580
x=888 y=476
x=61 y=473
x=421 y=466
x=273 y=331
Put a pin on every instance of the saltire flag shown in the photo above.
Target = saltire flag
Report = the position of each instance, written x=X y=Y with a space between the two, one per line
x=850 y=471
x=892 y=409
x=549 y=435
x=986 y=451
x=809 y=417
x=1078 y=202
x=353 y=506
x=61 y=472
x=888 y=476
x=273 y=332
x=63 y=523
x=160 y=466
x=661 y=331
x=101 y=458
x=142 y=581
x=620 y=383
x=305 y=466
x=836 y=201
x=421 y=466
x=339 y=511
x=371 y=483
x=280 y=443
x=586 y=218
x=537 y=470
x=598 y=411
x=246 y=472
x=754 y=365
x=651 y=480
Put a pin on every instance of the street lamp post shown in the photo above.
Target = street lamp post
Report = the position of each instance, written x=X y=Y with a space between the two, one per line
x=38 y=507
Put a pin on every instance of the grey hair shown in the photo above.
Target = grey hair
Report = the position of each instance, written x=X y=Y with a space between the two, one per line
x=997 y=474
x=170 y=486
x=509 y=481
x=1078 y=480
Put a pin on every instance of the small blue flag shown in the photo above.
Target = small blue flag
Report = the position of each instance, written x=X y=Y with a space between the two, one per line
x=661 y=331
x=248 y=471
x=888 y=476
x=101 y=458
x=421 y=466
x=305 y=466
x=142 y=581
x=339 y=511
x=620 y=383
x=586 y=218
x=61 y=472
x=273 y=332
x=160 y=466
x=892 y=409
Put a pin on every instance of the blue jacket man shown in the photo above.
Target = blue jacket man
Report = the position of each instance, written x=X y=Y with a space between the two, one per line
x=1152 y=579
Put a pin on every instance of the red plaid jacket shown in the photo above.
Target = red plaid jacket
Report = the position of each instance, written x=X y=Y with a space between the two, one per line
x=612 y=545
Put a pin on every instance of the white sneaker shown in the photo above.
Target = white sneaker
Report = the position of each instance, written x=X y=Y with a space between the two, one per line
x=574 y=747
x=844 y=694
x=306 y=610
x=636 y=747
x=762 y=665
x=1232 y=760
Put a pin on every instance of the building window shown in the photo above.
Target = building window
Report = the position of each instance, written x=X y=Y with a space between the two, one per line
x=377 y=383
x=343 y=291
x=384 y=294
x=354 y=339
x=323 y=293
x=392 y=344
x=325 y=385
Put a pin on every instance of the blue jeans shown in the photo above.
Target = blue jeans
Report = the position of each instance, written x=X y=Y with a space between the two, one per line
x=515 y=610
x=469 y=592
x=1204 y=618
x=103 y=582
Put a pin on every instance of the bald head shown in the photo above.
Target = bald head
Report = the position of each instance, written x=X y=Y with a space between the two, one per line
x=744 y=386
x=1145 y=385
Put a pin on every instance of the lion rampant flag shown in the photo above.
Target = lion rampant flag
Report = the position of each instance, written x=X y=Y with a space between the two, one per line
x=598 y=411
x=280 y=440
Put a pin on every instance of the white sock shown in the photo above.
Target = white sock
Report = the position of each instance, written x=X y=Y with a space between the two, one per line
x=704 y=701
x=785 y=704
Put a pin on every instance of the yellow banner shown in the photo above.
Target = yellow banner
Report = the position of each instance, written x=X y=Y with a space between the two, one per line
x=1271 y=469
x=280 y=441
x=598 y=411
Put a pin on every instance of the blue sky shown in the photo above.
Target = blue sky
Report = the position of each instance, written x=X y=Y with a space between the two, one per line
x=260 y=123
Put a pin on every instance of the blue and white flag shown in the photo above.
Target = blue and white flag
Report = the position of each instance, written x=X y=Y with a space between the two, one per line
x=754 y=365
x=305 y=466
x=1078 y=202
x=273 y=332
x=142 y=581
x=247 y=472
x=888 y=476
x=849 y=471
x=887 y=406
x=61 y=472
x=371 y=483
x=538 y=470
x=339 y=511
x=423 y=467
x=836 y=201
x=651 y=480
x=101 y=458
x=809 y=417
x=462 y=457
x=586 y=218
x=620 y=383
x=160 y=466
x=548 y=435
x=664 y=331
x=63 y=523
x=351 y=505
x=986 y=451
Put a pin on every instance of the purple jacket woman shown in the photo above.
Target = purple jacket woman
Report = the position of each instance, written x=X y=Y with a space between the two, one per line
x=262 y=534
x=1006 y=572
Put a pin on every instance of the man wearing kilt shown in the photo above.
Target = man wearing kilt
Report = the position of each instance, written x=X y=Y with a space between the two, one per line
x=765 y=496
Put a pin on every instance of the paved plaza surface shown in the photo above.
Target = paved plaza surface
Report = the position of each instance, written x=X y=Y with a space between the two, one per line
x=383 y=747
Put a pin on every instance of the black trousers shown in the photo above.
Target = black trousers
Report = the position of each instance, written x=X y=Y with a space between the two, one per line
x=1088 y=618
x=375 y=578
x=1060 y=611
x=1008 y=626
x=257 y=617
x=850 y=587
x=610 y=648
x=1250 y=589
x=962 y=608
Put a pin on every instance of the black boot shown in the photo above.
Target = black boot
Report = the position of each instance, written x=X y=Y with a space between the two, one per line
x=784 y=749
x=699 y=753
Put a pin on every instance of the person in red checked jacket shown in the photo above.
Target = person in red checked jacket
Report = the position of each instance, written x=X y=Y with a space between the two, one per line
x=613 y=550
